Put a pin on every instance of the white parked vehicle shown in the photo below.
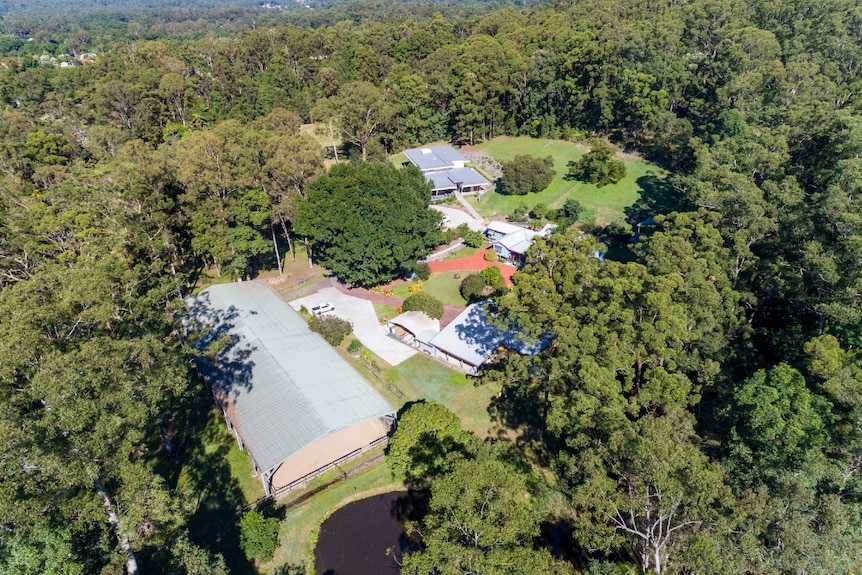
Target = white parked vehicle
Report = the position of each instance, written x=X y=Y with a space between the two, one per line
x=322 y=309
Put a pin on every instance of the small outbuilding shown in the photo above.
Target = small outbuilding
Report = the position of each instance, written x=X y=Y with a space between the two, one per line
x=472 y=339
x=410 y=325
x=293 y=403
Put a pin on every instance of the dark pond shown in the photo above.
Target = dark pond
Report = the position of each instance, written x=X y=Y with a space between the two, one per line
x=354 y=540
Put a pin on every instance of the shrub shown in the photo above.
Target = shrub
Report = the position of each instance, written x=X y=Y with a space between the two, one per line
x=472 y=288
x=424 y=302
x=333 y=329
x=423 y=271
x=258 y=536
x=599 y=166
x=354 y=346
x=490 y=256
x=474 y=239
x=471 y=238
x=416 y=287
x=492 y=277
x=569 y=213
x=519 y=214
x=526 y=174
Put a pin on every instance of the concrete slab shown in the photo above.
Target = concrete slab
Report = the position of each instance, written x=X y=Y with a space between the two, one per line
x=458 y=217
x=366 y=325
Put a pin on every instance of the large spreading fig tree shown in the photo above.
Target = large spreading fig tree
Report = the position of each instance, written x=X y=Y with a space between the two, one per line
x=368 y=222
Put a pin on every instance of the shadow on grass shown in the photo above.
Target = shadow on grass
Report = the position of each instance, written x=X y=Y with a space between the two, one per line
x=200 y=472
x=658 y=196
x=520 y=408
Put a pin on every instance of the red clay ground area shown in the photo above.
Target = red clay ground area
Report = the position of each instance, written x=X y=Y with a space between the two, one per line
x=473 y=263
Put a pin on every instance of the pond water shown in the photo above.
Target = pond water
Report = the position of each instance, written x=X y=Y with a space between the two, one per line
x=354 y=540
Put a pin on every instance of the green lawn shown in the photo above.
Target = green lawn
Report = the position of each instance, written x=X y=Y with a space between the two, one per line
x=384 y=312
x=602 y=206
x=444 y=287
x=421 y=377
x=464 y=252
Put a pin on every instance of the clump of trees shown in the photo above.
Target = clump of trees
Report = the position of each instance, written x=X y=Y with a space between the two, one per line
x=526 y=175
x=599 y=166
x=569 y=213
x=472 y=238
x=332 y=328
x=481 y=517
x=424 y=302
x=697 y=374
x=482 y=285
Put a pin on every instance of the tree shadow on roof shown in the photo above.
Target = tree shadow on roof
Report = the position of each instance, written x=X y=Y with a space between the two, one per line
x=223 y=352
x=478 y=334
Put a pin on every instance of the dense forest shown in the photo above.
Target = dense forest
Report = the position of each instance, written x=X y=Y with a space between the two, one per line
x=700 y=407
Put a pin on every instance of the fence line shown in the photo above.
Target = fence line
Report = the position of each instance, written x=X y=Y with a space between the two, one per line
x=303 y=481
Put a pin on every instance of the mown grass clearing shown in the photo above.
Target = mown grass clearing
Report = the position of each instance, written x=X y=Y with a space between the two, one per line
x=601 y=205
x=445 y=287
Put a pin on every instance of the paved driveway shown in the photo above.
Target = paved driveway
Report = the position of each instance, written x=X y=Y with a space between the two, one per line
x=458 y=217
x=366 y=325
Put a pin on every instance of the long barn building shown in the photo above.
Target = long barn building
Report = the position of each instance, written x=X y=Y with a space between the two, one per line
x=293 y=403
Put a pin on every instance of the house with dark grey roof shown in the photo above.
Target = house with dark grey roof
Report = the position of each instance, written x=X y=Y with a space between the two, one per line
x=445 y=168
x=292 y=402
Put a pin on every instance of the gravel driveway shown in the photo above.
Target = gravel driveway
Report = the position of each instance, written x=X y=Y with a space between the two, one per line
x=366 y=325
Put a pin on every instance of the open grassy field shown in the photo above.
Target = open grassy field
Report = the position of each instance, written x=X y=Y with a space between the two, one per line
x=602 y=206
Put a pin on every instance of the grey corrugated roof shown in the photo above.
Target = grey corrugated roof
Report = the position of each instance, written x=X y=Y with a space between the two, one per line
x=450 y=179
x=472 y=338
x=287 y=386
x=518 y=242
x=440 y=181
x=466 y=177
x=434 y=157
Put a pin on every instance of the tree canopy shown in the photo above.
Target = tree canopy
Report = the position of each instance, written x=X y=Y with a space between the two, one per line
x=526 y=175
x=368 y=221
x=599 y=166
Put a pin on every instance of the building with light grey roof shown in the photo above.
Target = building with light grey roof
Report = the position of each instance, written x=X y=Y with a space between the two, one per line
x=293 y=403
x=444 y=167
x=471 y=339
x=435 y=158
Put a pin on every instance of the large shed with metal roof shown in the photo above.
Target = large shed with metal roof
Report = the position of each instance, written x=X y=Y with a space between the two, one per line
x=294 y=404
